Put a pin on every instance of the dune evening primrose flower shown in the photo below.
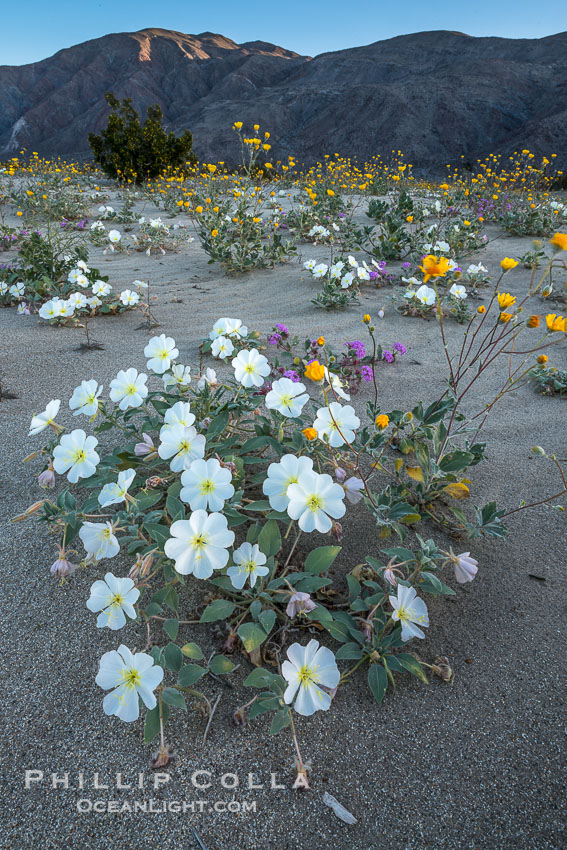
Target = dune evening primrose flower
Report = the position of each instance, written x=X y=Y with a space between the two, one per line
x=249 y=561
x=458 y=291
x=466 y=567
x=409 y=610
x=353 y=488
x=128 y=388
x=131 y=676
x=145 y=446
x=313 y=500
x=114 y=236
x=222 y=347
x=179 y=376
x=114 y=598
x=250 y=368
x=199 y=545
x=307 y=670
x=209 y=378
x=99 y=540
x=101 y=288
x=425 y=295
x=161 y=351
x=287 y=397
x=280 y=475
x=336 y=424
x=178 y=414
x=85 y=398
x=42 y=420
x=299 y=603
x=76 y=455
x=228 y=327
x=129 y=298
x=206 y=485
x=112 y=494
x=183 y=444
x=336 y=384
x=51 y=309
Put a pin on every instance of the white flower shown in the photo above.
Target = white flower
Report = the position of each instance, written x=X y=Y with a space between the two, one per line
x=310 y=265
x=76 y=453
x=131 y=676
x=94 y=301
x=101 y=288
x=222 y=347
x=208 y=379
x=114 y=598
x=179 y=414
x=458 y=291
x=347 y=280
x=206 y=485
x=82 y=281
x=336 y=270
x=476 y=269
x=129 y=388
x=99 y=540
x=409 y=609
x=66 y=309
x=182 y=444
x=114 y=236
x=129 y=298
x=287 y=397
x=308 y=668
x=40 y=422
x=228 y=327
x=313 y=500
x=112 y=494
x=320 y=270
x=78 y=300
x=198 y=545
x=336 y=424
x=336 y=384
x=51 y=309
x=249 y=562
x=352 y=262
x=363 y=273
x=411 y=281
x=425 y=295
x=280 y=475
x=85 y=398
x=179 y=376
x=466 y=567
x=250 y=368
x=161 y=350
x=409 y=294
x=17 y=290
x=98 y=227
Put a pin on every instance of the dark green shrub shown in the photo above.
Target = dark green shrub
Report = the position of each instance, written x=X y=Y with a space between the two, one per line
x=129 y=150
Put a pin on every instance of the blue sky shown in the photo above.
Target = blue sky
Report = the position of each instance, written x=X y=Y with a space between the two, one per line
x=38 y=29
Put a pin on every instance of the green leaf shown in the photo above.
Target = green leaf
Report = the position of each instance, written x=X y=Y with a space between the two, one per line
x=158 y=532
x=320 y=559
x=174 y=507
x=350 y=651
x=217 y=425
x=171 y=628
x=220 y=609
x=378 y=681
x=190 y=674
x=269 y=539
x=171 y=696
x=191 y=650
x=267 y=618
x=251 y=635
x=173 y=657
x=221 y=665
x=260 y=505
x=257 y=678
x=456 y=461
x=412 y=665
x=280 y=721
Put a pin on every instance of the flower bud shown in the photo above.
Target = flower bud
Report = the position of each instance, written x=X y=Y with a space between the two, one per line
x=441 y=668
x=538 y=450
x=145 y=447
x=46 y=479
x=340 y=474
x=61 y=568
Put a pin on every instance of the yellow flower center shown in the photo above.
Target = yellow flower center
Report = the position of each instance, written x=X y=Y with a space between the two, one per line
x=315 y=503
x=207 y=486
x=131 y=678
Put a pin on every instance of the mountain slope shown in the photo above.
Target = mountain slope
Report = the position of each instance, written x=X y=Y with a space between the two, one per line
x=435 y=95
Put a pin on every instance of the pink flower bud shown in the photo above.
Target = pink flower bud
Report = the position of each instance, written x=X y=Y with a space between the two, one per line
x=465 y=567
x=299 y=603
x=340 y=474
x=61 y=568
x=390 y=576
x=46 y=479
x=145 y=447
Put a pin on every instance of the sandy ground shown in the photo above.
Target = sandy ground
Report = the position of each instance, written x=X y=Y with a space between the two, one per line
x=479 y=763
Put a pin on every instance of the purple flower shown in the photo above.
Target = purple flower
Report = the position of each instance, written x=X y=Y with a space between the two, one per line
x=367 y=373
x=282 y=329
x=400 y=348
x=292 y=375
x=358 y=347
x=388 y=356
x=373 y=275
x=406 y=265
x=273 y=339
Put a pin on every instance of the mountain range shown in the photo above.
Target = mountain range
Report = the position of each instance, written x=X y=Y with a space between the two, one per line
x=437 y=96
